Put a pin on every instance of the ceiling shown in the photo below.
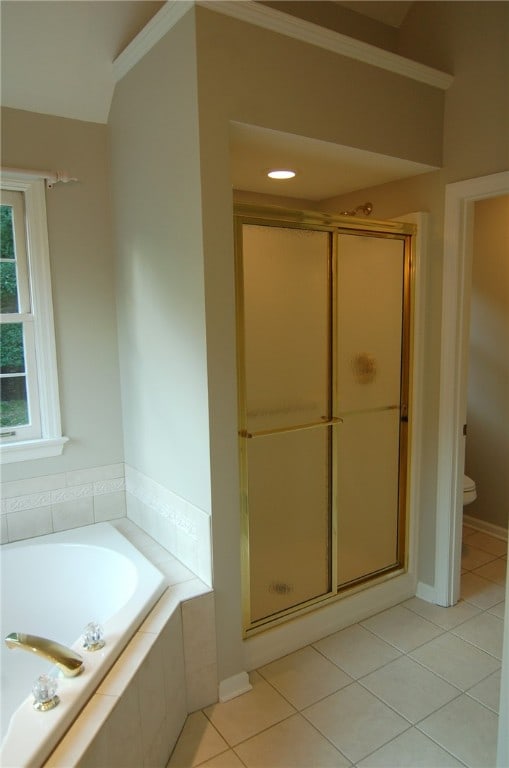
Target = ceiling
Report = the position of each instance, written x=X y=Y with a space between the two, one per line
x=323 y=169
x=57 y=59
x=57 y=55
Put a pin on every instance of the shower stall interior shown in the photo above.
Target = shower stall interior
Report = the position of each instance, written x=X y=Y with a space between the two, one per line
x=324 y=332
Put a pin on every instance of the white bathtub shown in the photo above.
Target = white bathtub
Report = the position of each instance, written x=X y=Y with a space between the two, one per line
x=53 y=586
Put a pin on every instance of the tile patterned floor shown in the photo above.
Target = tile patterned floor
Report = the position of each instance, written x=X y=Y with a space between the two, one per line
x=416 y=685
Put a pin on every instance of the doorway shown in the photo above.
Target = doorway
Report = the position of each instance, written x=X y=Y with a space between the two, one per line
x=324 y=347
x=458 y=226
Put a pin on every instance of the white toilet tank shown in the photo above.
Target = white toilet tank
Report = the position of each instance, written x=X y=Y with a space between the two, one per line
x=469 y=490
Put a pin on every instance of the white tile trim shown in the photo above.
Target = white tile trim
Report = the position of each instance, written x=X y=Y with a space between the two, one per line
x=161 y=500
x=53 y=491
x=181 y=527
x=282 y=23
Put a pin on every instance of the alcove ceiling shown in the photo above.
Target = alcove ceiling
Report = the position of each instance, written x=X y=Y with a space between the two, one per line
x=323 y=169
x=57 y=59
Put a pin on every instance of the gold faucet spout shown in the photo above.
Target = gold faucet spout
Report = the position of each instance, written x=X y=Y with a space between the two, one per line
x=64 y=658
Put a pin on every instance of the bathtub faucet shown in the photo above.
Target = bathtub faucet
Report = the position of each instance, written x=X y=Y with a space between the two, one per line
x=64 y=658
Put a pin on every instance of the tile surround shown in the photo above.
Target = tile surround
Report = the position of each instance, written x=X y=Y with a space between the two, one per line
x=136 y=715
x=181 y=527
x=65 y=500
x=52 y=503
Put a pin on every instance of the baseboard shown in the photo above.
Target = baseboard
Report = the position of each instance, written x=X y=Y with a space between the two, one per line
x=234 y=686
x=483 y=525
x=426 y=592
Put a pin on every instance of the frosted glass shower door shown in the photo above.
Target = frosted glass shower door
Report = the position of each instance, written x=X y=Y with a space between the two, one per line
x=286 y=318
x=371 y=401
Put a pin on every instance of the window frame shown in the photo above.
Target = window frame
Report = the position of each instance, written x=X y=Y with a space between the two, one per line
x=44 y=391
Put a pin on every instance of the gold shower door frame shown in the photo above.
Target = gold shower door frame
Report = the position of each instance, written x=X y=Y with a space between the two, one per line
x=334 y=226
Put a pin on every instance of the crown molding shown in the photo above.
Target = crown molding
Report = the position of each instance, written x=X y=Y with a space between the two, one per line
x=166 y=18
x=276 y=21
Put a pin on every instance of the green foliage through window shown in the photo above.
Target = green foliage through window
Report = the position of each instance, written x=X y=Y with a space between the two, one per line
x=6 y=233
x=12 y=355
x=8 y=277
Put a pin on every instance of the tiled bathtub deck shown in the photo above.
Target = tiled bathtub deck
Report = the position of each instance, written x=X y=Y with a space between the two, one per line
x=416 y=685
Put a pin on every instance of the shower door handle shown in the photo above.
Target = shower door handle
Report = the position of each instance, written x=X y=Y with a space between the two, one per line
x=280 y=430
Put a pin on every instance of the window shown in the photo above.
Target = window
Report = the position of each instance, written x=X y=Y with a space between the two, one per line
x=29 y=415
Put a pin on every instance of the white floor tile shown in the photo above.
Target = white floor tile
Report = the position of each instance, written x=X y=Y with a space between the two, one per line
x=498 y=609
x=447 y=618
x=458 y=662
x=304 y=677
x=226 y=759
x=356 y=650
x=481 y=592
x=402 y=628
x=448 y=687
x=467 y=730
x=198 y=741
x=410 y=750
x=485 y=631
x=468 y=532
x=487 y=692
x=413 y=691
x=494 y=546
x=294 y=743
x=355 y=721
x=471 y=557
x=494 y=571
x=247 y=715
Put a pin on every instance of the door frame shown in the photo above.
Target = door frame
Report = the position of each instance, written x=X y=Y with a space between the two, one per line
x=460 y=198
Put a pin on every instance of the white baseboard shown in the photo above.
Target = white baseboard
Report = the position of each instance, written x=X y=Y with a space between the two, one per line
x=483 y=525
x=234 y=686
x=426 y=592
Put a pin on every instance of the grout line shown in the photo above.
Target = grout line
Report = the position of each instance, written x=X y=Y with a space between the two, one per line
x=401 y=653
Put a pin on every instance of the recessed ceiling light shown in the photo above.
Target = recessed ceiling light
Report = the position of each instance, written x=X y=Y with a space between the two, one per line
x=281 y=174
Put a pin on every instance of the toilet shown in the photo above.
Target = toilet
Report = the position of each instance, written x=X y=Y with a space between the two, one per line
x=469 y=491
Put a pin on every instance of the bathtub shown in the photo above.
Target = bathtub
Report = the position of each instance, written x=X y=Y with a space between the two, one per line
x=53 y=586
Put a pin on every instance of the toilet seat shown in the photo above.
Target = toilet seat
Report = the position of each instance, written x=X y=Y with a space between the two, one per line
x=469 y=490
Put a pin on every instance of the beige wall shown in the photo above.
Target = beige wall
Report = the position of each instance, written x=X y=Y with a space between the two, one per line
x=161 y=312
x=487 y=446
x=343 y=20
x=309 y=92
x=471 y=41
x=81 y=254
x=305 y=90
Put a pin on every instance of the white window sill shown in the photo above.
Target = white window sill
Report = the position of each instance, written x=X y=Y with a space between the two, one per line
x=27 y=450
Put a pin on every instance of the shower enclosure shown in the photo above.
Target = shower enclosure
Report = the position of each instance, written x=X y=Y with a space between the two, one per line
x=323 y=307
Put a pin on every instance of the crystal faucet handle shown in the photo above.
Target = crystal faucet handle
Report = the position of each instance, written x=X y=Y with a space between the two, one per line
x=44 y=691
x=92 y=638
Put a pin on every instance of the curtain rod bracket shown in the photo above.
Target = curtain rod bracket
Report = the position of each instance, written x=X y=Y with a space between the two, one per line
x=50 y=177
